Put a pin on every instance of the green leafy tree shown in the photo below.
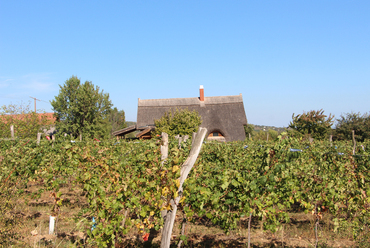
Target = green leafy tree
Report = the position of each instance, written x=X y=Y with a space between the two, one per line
x=183 y=122
x=26 y=122
x=82 y=109
x=117 y=120
x=313 y=123
x=249 y=130
x=353 y=121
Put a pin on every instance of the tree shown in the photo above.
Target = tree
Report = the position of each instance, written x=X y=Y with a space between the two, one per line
x=249 y=130
x=183 y=122
x=26 y=122
x=82 y=110
x=117 y=120
x=313 y=123
x=353 y=121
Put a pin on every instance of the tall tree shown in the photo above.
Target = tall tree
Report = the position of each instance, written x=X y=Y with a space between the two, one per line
x=82 y=109
x=353 y=121
x=313 y=123
x=117 y=120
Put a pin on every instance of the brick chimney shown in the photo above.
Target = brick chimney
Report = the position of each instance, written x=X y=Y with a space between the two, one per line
x=201 y=93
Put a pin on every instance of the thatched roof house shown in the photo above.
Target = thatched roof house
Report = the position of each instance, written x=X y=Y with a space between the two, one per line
x=223 y=116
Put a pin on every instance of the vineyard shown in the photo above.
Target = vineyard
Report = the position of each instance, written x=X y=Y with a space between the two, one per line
x=123 y=188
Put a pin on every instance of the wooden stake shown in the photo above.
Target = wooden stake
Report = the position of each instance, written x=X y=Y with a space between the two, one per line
x=38 y=138
x=12 y=131
x=185 y=170
x=193 y=138
x=354 y=142
x=249 y=230
x=164 y=156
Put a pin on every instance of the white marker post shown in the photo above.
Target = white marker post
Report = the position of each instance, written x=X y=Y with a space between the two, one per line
x=51 y=224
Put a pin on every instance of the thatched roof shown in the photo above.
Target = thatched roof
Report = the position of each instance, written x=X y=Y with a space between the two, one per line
x=224 y=114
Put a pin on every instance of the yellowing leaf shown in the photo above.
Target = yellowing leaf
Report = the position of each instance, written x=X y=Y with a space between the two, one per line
x=165 y=191
x=175 y=168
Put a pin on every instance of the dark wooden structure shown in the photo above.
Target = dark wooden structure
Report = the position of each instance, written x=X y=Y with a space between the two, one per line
x=223 y=116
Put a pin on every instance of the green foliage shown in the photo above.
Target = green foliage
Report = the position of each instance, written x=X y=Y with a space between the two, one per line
x=126 y=186
x=26 y=122
x=117 y=120
x=353 y=121
x=183 y=122
x=82 y=109
x=249 y=130
x=313 y=123
x=261 y=135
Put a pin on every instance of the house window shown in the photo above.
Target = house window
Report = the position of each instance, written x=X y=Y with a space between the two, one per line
x=215 y=134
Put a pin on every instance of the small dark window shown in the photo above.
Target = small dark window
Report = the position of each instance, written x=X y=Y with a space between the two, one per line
x=216 y=134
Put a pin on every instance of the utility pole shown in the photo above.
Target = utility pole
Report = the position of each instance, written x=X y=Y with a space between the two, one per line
x=35 y=101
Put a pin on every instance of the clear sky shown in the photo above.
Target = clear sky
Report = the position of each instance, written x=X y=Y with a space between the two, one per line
x=284 y=57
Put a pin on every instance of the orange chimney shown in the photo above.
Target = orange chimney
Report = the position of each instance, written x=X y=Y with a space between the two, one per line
x=201 y=91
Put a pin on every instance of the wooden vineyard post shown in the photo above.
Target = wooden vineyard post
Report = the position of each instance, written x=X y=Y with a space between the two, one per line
x=181 y=139
x=249 y=230
x=12 y=131
x=164 y=147
x=354 y=142
x=38 y=138
x=193 y=138
x=164 y=156
x=185 y=170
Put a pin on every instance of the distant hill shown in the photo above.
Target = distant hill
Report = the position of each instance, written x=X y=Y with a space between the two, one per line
x=257 y=128
x=130 y=123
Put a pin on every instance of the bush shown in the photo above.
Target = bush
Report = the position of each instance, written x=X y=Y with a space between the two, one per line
x=182 y=122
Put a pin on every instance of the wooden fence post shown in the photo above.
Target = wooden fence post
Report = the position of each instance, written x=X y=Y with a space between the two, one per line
x=164 y=147
x=12 y=131
x=193 y=138
x=181 y=139
x=354 y=142
x=185 y=169
x=38 y=138
x=164 y=156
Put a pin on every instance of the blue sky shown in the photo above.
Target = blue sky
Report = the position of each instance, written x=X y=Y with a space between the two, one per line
x=284 y=57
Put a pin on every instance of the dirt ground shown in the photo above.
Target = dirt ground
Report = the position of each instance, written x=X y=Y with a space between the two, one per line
x=31 y=225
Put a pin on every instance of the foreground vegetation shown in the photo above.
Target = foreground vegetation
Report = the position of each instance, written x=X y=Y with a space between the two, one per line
x=118 y=189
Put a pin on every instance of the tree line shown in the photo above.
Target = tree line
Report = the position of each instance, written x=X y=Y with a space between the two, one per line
x=315 y=124
x=83 y=111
